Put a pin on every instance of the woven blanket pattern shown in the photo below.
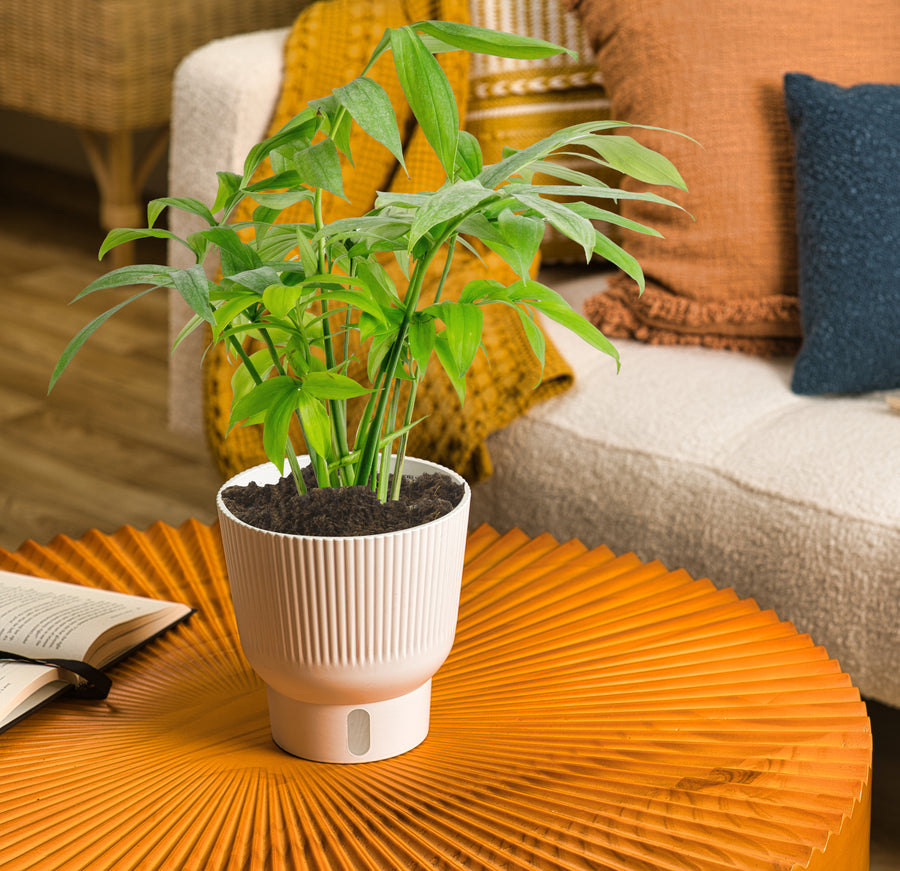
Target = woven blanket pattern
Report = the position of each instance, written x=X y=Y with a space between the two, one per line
x=329 y=43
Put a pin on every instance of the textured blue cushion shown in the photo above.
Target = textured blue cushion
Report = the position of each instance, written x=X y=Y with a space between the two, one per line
x=847 y=166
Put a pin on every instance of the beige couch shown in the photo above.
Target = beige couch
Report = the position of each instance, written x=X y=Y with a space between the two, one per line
x=703 y=459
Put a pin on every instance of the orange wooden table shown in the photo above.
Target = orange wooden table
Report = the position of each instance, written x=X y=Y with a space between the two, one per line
x=595 y=713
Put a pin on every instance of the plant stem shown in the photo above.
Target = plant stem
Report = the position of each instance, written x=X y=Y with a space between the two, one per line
x=401 y=449
x=370 y=448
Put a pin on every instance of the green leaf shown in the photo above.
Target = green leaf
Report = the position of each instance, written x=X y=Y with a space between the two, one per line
x=463 y=323
x=228 y=194
x=236 y=255
x=450 y=202
x=185 y=204
x=276 y=425
x=481 y=40
x=595 y=213
x=359 y=301
x=371 y=108
x=551 y=304
x=522 y=238
x=445 y=357
x=298 y=132
x=320 y=166
x=128 y=276
x=331 y=385
x=256 y=280
x=517 y=160
x=483 y=288
x=378 y=282
x=242 y=382
x=316 y=423
x=609 y=250
x=193 y=285
x=229 y=311
x=262 y=397
x=469 y=159
x=84 y=334
x=579 y=229
x=429 y=94
x=535 y=336
x=422 y=333
x=628 y=156
x=280 y=200
x=279 y=300
x=122 y=235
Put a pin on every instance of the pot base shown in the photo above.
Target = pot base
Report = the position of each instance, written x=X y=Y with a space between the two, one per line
x=350 y=733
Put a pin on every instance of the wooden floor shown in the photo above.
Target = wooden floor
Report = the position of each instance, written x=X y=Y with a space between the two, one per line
x=98 y=454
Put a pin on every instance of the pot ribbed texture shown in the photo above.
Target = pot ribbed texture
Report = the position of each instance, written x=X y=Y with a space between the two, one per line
x=346 y=620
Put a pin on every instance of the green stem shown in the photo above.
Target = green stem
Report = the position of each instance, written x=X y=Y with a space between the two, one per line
x=401 y=449
x=389 y=369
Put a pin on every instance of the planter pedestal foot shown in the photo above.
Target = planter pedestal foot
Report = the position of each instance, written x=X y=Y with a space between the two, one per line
x=350 y=733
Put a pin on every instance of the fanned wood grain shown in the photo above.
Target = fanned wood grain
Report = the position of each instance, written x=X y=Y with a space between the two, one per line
x=597 y=712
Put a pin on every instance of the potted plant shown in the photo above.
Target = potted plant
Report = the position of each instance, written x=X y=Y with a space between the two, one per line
x=346 y=627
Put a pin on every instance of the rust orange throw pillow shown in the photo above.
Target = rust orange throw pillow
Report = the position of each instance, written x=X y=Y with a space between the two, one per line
x=713 y=69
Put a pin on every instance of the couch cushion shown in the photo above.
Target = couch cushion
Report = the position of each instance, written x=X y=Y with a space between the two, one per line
x=714 y=70
x=847 y=163
x=706 y=460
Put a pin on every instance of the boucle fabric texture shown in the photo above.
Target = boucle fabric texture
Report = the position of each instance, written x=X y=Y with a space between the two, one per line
x=726 y=274
x=705 y=460
x=329 y=44
x=847 y=159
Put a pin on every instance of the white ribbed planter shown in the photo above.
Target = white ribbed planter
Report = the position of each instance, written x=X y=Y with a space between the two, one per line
x=346 y=632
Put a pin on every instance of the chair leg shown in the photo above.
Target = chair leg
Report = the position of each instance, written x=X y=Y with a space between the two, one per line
x=120 y=181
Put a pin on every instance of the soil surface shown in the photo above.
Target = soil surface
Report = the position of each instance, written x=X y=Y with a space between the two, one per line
x=342 y=511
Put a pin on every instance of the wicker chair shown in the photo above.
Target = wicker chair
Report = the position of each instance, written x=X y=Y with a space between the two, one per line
x=106 y=66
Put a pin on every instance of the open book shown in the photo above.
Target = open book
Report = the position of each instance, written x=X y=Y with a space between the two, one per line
x=55 y=636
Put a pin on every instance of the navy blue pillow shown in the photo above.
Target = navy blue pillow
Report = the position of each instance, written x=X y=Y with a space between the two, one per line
x=847 y=168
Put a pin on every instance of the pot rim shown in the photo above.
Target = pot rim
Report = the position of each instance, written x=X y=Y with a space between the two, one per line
x=248 y=475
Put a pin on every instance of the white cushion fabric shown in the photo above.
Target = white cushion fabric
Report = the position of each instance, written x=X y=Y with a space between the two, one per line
x=706 y=460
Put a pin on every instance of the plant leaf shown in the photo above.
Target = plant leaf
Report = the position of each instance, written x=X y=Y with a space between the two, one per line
x=84 y=334
x=228 y=194
x=123 y=234
x=185 y=204
x=481 y=40
x=449 y=203
x=370 y=106
x=128 y=276
x=579 y=229
x=320 y=166
x=429 y=94
x=463 y=323
x=193 y=285
x=469 y=159
x=628 y=156
x=551 y=304
x=445 y=357
x=332 y=385
x=236 y=255
x=422 y=333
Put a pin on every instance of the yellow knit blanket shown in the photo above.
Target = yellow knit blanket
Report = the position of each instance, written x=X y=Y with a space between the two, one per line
x=328 y=45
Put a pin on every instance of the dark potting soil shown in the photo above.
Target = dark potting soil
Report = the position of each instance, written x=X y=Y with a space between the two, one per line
x=342 y=511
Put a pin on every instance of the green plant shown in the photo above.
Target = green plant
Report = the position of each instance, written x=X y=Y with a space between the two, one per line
x=301 y=289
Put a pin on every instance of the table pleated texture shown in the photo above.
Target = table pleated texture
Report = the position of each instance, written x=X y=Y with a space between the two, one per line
x=597 y=712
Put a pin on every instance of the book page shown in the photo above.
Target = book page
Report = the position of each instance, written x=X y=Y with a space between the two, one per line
x=39 y=617
x=23 y=687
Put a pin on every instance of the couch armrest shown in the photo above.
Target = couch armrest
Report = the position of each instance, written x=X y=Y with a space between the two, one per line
x=223 y=99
